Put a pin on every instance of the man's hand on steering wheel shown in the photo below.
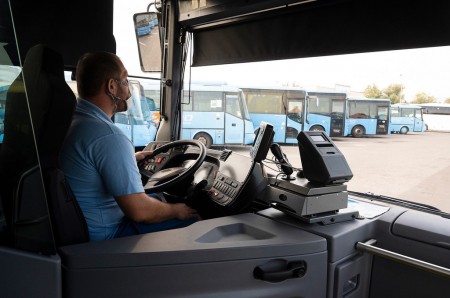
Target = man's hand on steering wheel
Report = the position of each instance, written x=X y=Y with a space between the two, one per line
x=141 y=155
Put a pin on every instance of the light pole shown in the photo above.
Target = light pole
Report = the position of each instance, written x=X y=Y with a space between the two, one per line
x=401 y=89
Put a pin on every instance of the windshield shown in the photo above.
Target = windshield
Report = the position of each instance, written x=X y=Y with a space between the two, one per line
x=399 y=151
x=405 y=157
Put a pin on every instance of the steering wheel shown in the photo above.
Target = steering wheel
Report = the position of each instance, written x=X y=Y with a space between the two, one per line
x=173 y=175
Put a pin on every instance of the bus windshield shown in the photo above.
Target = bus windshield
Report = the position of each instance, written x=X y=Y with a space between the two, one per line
x=344 y=103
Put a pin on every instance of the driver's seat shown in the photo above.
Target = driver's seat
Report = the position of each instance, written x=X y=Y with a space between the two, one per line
x=51 y=104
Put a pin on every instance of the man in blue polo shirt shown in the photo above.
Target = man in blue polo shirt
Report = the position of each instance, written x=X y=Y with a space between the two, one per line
x=99 y=160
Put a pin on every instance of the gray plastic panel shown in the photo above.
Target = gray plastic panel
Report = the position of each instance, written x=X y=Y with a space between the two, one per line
x=209 y=258
x=393 y=279
x=224 y=239
x=350 y=278
x=424 y=227
x=341 y=237
x=24 y=274
x=199 y=279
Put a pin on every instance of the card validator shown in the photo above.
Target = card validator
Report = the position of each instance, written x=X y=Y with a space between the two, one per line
x=322 y=161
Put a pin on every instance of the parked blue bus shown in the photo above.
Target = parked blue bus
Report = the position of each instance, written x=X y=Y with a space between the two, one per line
x=215 y=115
x=436 y=116
x=436 y=108
x=144 y=24
x=406 y=118
x=367 y=116
x=325 y=111
x=291 y=110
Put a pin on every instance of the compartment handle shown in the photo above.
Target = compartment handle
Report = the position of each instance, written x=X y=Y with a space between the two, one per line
x=280 y=270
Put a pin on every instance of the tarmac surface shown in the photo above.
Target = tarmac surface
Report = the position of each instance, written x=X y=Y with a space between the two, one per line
x=414 y=167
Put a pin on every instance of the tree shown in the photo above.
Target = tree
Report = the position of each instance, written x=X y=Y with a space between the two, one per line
x=422 y=97
x=447 y=100
x=394 y=93
x=372 y=91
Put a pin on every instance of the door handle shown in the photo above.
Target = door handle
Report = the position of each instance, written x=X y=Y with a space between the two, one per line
x=233 y=124
x=280 y=270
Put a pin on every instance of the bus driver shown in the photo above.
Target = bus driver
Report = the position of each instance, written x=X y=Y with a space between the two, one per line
x=100 y=163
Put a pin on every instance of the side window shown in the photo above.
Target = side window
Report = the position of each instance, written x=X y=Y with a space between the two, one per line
x=232 y=105
x=419 y=114
x=395 y=112
x=265 y=102
x=359 y=110
x=208 y=101
x=407 y=112
x=373 y=111
x=186 y=104
x=337 y=108
x=383 y=113
x=319 y=105
x=295 y=110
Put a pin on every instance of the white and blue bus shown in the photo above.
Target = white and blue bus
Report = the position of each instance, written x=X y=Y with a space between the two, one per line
x=436 y=116
x=325 y=112
x=291 y=110
x=216 y=115
x=367 y=116
x=406 y=118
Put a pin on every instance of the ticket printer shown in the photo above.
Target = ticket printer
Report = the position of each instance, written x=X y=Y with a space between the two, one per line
x=319 y=193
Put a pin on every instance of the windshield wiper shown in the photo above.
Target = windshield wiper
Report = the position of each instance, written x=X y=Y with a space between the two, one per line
x=400 y=202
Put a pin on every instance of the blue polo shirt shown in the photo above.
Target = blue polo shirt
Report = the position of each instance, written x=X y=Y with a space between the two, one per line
x=99 y=163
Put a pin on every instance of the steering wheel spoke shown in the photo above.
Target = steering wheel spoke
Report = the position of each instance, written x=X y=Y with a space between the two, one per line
x=164 y=175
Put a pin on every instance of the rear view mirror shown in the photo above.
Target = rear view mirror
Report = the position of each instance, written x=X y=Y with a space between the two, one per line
x=148 y=41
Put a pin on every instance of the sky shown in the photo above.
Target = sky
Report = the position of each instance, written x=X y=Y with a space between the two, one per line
x=419 y=70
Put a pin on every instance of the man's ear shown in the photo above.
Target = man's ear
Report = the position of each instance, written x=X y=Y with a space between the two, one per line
x=111 y=86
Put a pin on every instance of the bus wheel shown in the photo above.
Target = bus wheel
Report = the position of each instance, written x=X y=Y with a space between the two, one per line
x=204 y=138
x=316 y=128
x=404 y=130
x=358 y=131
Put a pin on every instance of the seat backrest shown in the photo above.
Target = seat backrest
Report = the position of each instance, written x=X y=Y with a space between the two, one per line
x=51 y=104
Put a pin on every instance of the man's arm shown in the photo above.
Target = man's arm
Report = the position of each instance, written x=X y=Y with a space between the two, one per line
x=141 y=208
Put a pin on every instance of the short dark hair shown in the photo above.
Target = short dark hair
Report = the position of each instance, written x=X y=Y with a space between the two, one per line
x=93 y=69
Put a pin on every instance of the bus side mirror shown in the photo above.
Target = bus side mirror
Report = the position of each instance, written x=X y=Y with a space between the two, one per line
x=148 y=40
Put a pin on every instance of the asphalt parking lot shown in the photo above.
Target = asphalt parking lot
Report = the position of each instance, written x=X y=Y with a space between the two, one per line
x=413 y=167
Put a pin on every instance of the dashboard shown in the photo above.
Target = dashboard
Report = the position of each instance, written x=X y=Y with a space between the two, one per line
x=224 y=183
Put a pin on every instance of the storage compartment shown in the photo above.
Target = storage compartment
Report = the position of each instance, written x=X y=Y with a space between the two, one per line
x=420 y=226
x=211 y=257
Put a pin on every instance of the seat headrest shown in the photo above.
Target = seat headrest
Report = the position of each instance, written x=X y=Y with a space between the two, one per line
x=50 y=99
x=41 y=58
